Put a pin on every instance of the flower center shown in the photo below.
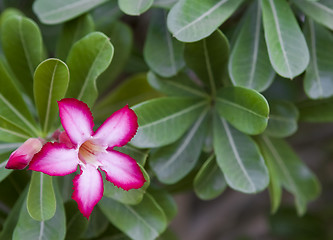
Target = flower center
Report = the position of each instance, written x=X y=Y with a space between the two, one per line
x=89 y=150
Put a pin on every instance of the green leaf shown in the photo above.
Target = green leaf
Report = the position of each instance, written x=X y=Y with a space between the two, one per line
x=292 y=173
x=41 y=202
x=88 y=58
x=316 y=110
x=166 y=202
x=208 y=59
x=16 y=122
x=140 y=155
x=50 y=85
x=52 y=229
x=134 y=8
x=282 y=120
x=159 y=42
x=97 y=224
x=173 y=162
x=133 y=90
x=164 y=120
x=11 y=220
x=122 y=39
x=54 y=12
x=286 y=44
x=132 y=197
x=318 y=80
x=23 y=48
x=246 y=109
x=193 y=20
x=4 y=172
x=141 y=222
x=239 y=158
x=76 y=222
x=209 y=181
x=320 y=11
x=71 y=32
x=180 y=85
x=106 y=13
x=249 y=64
x=167 y=4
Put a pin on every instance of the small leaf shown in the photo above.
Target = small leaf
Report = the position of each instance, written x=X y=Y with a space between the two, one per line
x=41 y=202
x=316 y=110
x=52 y=229
x=318 y=80
x=134 y=9
x=180 y=85
x=164 y=120
x=320 y=11
x=245 y=109
x=144 y=221
x=159 y=42
x=88 y=58
x=289 y=55
x=173 y=162
x=239 y=158
x=73 y=31
x=282 y=120
x=22 y=45
x=131 y=197
x=208 y=59
x=201 y=19
x=54 y=12
x=249 y=64
x=50 y=85
x=132 y=90
x=292 y=173
x=209 y=181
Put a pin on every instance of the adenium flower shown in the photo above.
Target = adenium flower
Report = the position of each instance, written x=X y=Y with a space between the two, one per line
x=22 y=156
x=80 y=146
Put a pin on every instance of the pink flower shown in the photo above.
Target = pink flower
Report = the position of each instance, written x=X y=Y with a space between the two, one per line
x=80 y=145
x=22 y=156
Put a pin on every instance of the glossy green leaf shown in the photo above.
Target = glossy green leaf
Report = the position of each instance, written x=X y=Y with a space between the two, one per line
x=88 y=58
x=54 y=12
x=73 y=31
x=11 y=220
x=4 y=172
x=249 y=64
x=131 y=91
x=167 y=4
x=245 y=109
x=173 y=162
x=140 y=155
x=52 y=229
x=282 y=120
x=193 y=20
x=41 y=202
x=316 y=110
x=23 y=48
x=208 y=59
x=164 y=120
x=16 y=122
x=318 y=80
x=122 y=39
x=10 y=12
x=180 y=85
x=132 y=197
x=50 y=85
x=320 y=11
x=134 y=8
x=76 y=222
x=106 y=13
x=97 y=224
x=144 y=221
x=159 y=42
x=166 y=202
x=239 y=158
x=209 y=181
x=286 y=44
x=294 y=175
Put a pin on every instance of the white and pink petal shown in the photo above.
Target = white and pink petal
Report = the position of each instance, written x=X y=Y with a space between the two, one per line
x=55 y=159
x=122 y=170
x=76 y=119
x=118 y=129
x=88 y=189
